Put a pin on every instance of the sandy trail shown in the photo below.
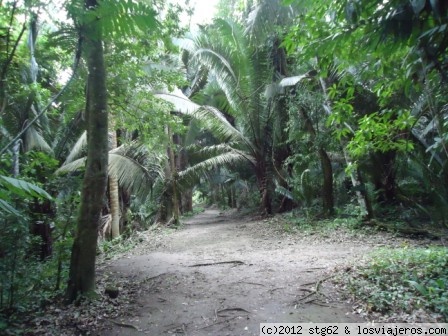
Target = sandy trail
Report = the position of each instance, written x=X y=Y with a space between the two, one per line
x=220 y=275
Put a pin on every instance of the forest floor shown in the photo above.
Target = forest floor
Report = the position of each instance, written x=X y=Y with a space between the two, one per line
x=224 y=274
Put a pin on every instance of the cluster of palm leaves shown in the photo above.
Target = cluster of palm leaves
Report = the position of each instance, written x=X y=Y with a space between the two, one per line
x=236 y=73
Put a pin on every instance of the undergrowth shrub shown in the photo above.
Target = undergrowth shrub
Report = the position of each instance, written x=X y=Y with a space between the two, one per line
x=403 y=279
x=302 y=222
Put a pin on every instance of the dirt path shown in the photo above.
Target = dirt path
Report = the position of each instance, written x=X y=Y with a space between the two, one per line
x=222 y=275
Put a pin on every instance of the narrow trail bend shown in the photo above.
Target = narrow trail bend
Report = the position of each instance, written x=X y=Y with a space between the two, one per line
x=224 y=275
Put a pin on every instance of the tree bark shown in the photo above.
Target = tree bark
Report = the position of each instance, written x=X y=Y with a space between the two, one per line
x=82 y=265
x=264 y=181
x=327 y=187
x=172 y=166
x=325 y=162
x=361 y=193
x=114 y=198
x=383 y=172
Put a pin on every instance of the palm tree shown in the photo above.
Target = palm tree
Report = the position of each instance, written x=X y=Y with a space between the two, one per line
x=242 y=70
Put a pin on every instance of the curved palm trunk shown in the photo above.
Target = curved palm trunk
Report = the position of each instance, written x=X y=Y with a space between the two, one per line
x=82 y=264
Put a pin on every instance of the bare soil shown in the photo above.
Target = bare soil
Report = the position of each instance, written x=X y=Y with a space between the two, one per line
x=223 y=274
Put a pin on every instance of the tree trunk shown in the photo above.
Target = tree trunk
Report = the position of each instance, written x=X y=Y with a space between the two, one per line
x=325 y=162
x=382 y=170
x=114 y=198
x=181 y=159
x=82 y=264
x=16 y=158
x=187 y=201
x=327 y=187
x=172 y=166
x=264 y=181
x=360 y=190
x=361 y=193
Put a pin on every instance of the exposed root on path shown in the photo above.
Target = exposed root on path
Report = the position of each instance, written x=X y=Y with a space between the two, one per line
x=235 y=262
x=125 y=325
x=230 y=309
x=315 y=291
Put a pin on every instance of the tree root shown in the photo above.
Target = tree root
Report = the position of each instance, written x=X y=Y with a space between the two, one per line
x=125 y=325
x=315 y=291
x=218 y=312
x=235 y=262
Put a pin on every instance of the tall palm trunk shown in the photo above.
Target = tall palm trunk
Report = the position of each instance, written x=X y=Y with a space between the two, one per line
x=82 y=264
x=173 y=171
x=265 y=185
x=16 y=158
x=181 y=160
x=113 y=189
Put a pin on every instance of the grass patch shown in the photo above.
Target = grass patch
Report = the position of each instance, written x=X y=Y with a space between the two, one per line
x=403 y=280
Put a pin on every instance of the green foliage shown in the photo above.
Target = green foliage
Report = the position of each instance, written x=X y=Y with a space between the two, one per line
x=197 y=209
x=308 y=221
x=117 y=246
x=118 y=18
x=382 y=132
x=403 y=279
x=11 y=187
x=27 y=283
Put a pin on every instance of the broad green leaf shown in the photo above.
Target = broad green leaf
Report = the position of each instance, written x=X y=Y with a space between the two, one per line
x=23 y=188
x=7 y=208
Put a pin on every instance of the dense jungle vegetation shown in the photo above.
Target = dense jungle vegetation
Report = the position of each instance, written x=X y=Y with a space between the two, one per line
x=115 y=115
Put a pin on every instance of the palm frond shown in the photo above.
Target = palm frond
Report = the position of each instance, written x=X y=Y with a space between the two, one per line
x=209 y=57
x=181 y=102
x=197 y=154
x=35 y=140
x=192 y=132
x=71 y=166
x=222 y=72
x=211 y=117
x=124 y=18
x=264 y=17
x=22 y=188
x=184 y=43
x=193 y=174
x=77 y=149
x=65 y=38
x=215 y=121
x=284 y=192
x=135 y=169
